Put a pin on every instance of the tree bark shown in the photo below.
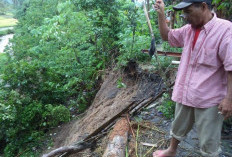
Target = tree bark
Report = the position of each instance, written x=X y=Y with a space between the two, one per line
x=118 y=139
x=148 y=8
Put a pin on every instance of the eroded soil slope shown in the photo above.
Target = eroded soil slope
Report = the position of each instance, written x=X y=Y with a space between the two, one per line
x=111 y=100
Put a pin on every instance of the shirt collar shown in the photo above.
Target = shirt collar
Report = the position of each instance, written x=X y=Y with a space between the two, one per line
x=209 y=25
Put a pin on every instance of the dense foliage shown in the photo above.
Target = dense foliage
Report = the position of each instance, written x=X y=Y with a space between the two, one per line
x=223 y=8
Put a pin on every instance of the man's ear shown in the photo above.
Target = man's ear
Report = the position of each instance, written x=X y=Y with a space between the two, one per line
x=204 y=6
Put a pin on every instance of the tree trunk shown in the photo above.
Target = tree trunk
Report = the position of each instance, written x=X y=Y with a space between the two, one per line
x=148 y=8
x=118 y=139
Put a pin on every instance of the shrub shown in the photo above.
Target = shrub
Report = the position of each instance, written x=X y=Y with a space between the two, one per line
x=167 y=107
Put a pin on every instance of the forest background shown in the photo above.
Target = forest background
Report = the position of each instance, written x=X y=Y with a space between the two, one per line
x=51 y=71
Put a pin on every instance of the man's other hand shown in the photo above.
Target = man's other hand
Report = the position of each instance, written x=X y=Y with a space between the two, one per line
x=225 y=107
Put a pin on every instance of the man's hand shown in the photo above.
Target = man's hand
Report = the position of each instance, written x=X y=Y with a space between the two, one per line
x=225 y=107
x=159 y=6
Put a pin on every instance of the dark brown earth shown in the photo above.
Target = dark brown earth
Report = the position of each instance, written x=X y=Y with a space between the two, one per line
x=150 y=126
x=111 y=100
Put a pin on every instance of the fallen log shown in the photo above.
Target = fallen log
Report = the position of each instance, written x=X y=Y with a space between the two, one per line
x=118 y=139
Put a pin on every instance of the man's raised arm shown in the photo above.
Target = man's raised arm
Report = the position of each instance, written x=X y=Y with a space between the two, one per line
x=159 y=7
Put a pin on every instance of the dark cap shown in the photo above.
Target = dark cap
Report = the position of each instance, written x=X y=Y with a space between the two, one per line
x=186 y=3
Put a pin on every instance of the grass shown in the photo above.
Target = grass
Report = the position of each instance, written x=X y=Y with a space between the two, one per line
x=7 y=21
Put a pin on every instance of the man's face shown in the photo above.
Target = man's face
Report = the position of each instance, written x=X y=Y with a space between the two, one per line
x=194 y=16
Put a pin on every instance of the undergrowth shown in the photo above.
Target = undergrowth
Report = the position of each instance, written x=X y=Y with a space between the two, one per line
x=167 y=107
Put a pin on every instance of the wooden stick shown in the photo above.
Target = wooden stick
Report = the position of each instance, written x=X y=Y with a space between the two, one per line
x=132 y=131
x=151 y=148
x=137 y=107
x=64 y=149
x=148 y=20
x=146 y=103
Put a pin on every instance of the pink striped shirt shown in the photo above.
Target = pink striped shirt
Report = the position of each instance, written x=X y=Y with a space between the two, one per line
x=202 y=78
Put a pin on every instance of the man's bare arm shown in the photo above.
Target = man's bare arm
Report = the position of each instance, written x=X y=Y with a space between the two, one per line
x=163 y=27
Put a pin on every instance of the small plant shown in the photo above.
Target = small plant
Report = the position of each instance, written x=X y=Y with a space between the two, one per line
x=120 y=84
x=167 y=108
x=59 y=114
x=162 y=64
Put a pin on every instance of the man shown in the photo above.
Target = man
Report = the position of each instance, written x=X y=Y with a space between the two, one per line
x=203 y=87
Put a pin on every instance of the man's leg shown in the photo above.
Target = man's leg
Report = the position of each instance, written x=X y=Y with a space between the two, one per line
x=173 y=146
x=171 y=151
x=182 y=124
x=209 y=125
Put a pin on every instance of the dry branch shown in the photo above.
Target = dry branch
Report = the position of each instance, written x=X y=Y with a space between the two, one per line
x=70 y=149
x=147 y=102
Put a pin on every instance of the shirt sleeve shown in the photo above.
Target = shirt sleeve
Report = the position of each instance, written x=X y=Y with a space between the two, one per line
x=176 y=36
x=225 y=52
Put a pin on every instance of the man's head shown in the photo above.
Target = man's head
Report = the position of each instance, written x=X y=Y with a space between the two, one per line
x=196 y=12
